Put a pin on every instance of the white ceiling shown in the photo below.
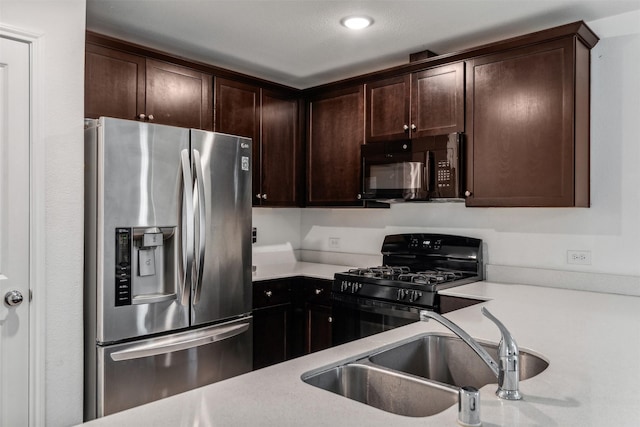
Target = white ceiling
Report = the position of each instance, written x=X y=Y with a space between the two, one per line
x=300 y=43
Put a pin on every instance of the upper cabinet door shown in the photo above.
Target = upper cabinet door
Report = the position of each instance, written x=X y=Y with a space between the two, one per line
x=527 y=126
x=127 y=86
x=429 y=102
x=237 y=108
x=114 y=83
x=281 y=167
x=237 y=112
x=335 y=132
x=388 y=109
x=178 y=96
x=437 y=101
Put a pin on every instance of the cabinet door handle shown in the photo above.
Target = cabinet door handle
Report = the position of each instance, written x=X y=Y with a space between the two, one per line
x=268 y=293
x=264 y=196
x=468 y=193
x=142 y=116
x=413 y=127
x=318 y=291
x=330 y=319
x=150 y=117
x=405 y=128
x=259 y=196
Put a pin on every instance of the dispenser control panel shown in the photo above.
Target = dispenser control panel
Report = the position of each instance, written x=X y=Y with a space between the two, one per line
x=123 y=266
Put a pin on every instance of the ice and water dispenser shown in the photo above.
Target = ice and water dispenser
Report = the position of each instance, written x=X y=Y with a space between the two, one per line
x=146 y=265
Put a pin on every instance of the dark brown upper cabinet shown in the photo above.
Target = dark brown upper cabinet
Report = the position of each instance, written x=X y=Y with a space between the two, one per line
x=114 y=83
x=528 y=126
x=428 y=102
x=237 y=108
x=123 y=85
x=281 y=162
x=271 y=119
x=178 y=96
x=335 y=131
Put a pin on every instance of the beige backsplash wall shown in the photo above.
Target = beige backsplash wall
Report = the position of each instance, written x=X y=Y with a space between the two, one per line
x=527 y=237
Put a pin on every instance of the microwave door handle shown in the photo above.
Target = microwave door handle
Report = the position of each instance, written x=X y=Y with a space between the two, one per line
x=199 y=206
x=427 y=171
x=186 y=228
x=363 y=177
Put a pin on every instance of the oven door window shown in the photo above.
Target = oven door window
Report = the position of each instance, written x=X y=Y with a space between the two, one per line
x=354 y=318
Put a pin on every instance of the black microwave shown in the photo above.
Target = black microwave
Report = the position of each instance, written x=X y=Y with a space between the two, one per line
x=421 y=169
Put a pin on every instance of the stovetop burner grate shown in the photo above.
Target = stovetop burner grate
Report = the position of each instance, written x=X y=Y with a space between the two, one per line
x=381 y=271
x=415 y=267
x=404 y=274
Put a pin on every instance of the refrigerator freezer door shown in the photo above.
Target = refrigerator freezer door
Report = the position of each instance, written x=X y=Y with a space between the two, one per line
x=223 y=244
x=135 y=198
x=143 y=371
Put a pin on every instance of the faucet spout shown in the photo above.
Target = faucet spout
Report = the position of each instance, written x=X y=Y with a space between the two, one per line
x=507 y=370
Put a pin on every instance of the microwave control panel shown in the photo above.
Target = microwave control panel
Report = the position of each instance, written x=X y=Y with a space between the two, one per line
x=446 y=173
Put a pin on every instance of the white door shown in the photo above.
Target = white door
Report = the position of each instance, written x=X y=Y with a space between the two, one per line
x=14 y=231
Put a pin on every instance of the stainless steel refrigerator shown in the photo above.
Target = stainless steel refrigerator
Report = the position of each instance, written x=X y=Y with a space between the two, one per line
x=167 y=261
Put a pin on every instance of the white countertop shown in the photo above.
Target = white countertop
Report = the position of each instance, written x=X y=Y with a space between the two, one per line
x=293 y=269
x=591 y=340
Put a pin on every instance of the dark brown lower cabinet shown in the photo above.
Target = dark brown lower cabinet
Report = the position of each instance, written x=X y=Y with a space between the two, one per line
x=317 y=314
x=272 y=313
x=292 y=317
x=270 y=340
x=318 y=327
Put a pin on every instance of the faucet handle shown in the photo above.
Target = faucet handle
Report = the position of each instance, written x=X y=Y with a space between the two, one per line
x=508 y=345
x=509 y=361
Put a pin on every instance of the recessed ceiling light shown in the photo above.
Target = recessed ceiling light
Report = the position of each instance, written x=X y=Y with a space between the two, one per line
x=356 y=22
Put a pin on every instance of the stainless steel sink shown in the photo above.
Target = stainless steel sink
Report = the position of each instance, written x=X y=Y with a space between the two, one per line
x=417 y=378
x=390 y=391
x=449 y=360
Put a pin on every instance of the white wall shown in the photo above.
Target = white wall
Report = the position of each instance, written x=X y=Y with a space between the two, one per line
x=530 y=237
x=278 y=225
x=61 y=109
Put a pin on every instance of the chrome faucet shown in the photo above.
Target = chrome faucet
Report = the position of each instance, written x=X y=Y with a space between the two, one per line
x=507 y=370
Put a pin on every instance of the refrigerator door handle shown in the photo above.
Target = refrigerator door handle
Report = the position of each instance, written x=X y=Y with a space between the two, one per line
x=187 y=228
x=200 y=226
x=147 y=350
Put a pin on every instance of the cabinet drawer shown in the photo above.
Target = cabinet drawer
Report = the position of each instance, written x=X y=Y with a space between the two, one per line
x=317 y=291
x=269 y=293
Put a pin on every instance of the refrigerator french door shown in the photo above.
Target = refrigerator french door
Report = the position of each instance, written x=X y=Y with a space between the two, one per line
x=167 y=261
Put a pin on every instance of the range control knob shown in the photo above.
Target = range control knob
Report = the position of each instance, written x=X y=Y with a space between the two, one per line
x=401 y=294
x=414 y=295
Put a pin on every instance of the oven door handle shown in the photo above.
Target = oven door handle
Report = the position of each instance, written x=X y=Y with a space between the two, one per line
x=393 y=310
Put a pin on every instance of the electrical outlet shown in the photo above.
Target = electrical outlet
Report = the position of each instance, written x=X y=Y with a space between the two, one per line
x=334 y=242
x=579 y=257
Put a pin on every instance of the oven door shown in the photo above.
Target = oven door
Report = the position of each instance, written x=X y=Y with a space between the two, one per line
x=355 y=318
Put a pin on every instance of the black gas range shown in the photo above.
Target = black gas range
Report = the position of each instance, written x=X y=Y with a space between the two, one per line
x=415 y=268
